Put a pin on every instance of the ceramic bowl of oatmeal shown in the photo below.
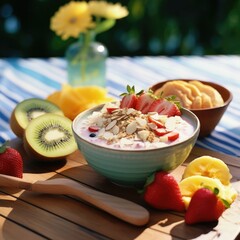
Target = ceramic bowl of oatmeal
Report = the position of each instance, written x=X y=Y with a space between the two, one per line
x=126 y=146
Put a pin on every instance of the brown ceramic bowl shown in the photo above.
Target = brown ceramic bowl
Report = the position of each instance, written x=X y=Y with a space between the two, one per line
x=208 y=117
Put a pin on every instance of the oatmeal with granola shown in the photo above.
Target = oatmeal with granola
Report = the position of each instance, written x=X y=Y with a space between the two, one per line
x=121 y=127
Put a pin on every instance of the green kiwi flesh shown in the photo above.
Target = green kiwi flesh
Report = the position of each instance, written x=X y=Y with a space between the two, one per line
x=49 y=137
x=28 y=110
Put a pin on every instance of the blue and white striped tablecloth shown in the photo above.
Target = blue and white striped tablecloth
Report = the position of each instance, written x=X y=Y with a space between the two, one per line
x=25 y=78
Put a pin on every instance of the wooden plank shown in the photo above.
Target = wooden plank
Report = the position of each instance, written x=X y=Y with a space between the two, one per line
x=230 y=160
x=41 y=221
x=162 y=225
x=11 y=230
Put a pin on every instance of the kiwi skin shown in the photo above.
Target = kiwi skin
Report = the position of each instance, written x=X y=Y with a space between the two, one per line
x=31 y=152
x=17 y=129
x=38 y=157
x=15 y=126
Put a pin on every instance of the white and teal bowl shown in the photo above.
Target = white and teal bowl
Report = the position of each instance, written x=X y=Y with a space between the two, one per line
x=132 y=167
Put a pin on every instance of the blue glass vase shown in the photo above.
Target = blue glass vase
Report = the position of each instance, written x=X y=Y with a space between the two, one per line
x=86 y=62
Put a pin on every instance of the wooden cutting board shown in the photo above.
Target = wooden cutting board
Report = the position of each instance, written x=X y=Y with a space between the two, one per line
x=42 y=216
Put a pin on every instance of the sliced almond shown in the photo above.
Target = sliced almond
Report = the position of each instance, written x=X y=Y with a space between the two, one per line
x=108 y=135
x=143 y=135
x=111 y=125
x=130 y=111
x=152 y=126
x=99 y=121
x=115 y=130
x=125 y=142
x=141 y=121
x=131 y=127
x=120 y=117
x=163 y=139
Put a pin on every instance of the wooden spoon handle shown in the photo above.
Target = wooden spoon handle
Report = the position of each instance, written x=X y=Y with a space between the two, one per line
x=118 y=207
x=14 y=182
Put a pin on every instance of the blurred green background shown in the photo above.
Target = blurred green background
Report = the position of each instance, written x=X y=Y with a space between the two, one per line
x=153 y=27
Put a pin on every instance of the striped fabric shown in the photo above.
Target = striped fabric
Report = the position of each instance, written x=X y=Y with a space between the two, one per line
x=26 y=78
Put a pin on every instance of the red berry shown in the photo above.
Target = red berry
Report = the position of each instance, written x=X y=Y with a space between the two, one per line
x=164 y=193
x=157 y=123
x=160 y=131
x=172 y=136
x=164 y=107
x=93 y=128
x=129 y=98
x=110 y=110
x=204 y=206
x=144 y=102
x=11 y=162
x=128 y=101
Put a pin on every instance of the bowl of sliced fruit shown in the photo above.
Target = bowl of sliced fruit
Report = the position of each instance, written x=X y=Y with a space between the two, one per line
x=128 y=140
x=207 y=100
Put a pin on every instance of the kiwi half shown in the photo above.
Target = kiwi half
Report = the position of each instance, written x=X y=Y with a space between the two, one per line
x=29 y=109
x=49 y=137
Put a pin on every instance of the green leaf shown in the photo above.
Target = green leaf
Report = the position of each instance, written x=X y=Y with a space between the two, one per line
x=140 y=93
x=149 y=180
x=216 y=191
x=173 y=100
x=129 y=89
x=3 y=147
x=104 y=25
x=225 y=203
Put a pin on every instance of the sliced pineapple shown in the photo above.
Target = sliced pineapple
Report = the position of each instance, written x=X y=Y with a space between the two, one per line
x=209 y=167
x=73 y=100
x=190 y=185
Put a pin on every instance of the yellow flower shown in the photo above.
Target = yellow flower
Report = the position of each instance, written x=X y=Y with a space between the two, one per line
x=71 y=20
x=107 y=10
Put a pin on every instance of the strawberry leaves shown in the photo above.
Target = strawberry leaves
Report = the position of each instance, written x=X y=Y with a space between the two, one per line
x=3 y=147
x=131 y=90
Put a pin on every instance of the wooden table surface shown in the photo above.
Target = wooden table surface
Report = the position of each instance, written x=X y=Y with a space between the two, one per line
x=28 y=215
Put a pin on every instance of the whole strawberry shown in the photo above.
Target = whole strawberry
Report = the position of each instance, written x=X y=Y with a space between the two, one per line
x=11 y=162
x=204 y=206
x=163 y=193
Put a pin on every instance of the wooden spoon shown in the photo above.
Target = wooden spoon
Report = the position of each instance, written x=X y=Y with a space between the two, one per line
x=118 y=207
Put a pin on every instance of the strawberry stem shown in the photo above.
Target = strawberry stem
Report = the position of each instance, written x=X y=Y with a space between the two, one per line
x=216 y=191
x=225 y=203
x=172 y=99
x=3 y=147
x=149 y=180
x=131 y=90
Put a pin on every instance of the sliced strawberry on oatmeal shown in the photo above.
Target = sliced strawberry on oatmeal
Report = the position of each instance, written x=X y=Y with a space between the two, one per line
x=172 y=136
x=165 y=107
x=144 y=102
x=111 y=109
x=160 y=131
x=129 y=99
x=156 y=122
